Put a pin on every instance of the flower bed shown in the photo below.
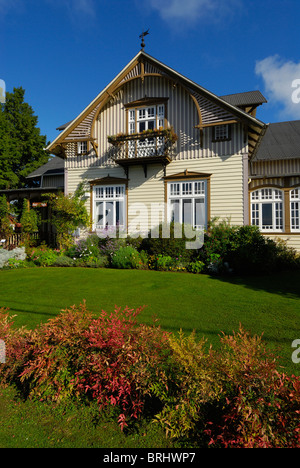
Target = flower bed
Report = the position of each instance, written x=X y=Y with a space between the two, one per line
x=227 y=249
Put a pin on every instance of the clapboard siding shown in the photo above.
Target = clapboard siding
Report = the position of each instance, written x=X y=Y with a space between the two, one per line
x=291 y=240
x=275 y=168
x=226 y=186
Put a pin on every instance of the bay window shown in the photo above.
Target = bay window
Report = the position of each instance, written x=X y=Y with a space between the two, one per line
x=267 y=209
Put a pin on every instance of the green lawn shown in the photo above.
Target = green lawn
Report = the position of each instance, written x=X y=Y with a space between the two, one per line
x=210 y=305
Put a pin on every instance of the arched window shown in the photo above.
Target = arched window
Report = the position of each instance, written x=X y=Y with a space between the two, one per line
x=267 y=209
x=295 y=209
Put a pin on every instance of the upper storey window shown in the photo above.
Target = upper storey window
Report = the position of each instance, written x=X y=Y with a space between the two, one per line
x=82 y=147
x=146 y=118
x=222 y=133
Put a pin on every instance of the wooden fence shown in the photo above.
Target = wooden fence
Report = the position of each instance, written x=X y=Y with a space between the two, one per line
x=18 y=238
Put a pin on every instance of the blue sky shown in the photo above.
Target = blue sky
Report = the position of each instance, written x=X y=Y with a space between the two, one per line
x=64 y=52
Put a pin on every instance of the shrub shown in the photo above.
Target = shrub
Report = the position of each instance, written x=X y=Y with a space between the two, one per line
x=111 y=359
x=230 y=397
x=245 y=249
x=42 y=256
x=84 y=249
x=233 y=397
x=191 y=387
x=262 y=406
x=163 y=262
x=166 y=263
x=5 y=227
x=14 y=263
x=29 y=221
x=93 y=262
x=126 y=257
x=196 y=267
x=155 y=244
x=67 y=214
x=63 y=261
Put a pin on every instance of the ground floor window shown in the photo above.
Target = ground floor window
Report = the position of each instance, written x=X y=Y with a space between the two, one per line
x=109 y=206
x=187 y=203
x=267 y=209
x=295 y=209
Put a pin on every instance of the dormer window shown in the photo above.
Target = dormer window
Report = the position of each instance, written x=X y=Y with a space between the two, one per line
x=82 y=147
x=222 y=133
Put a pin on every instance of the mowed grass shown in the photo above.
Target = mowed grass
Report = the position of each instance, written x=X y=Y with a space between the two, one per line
x=267 y=305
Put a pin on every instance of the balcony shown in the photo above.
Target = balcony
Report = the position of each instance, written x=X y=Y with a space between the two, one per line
x=149 y=147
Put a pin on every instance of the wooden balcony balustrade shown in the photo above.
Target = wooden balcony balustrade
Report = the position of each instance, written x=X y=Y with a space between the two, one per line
x=155 y=146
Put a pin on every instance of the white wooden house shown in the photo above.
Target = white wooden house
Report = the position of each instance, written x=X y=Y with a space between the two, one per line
x=154 y=146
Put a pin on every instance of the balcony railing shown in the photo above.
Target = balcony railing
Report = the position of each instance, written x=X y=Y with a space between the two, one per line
x=148 y=144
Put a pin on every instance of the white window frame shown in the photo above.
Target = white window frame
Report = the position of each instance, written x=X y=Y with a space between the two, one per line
x=82 y=147
x=295 y=209
x=262 y=197
x=221 y=133
x=109 y=196
x=145 y=115
x=181 y=190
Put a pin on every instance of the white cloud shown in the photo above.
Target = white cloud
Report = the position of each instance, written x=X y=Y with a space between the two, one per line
x=192 y=10
x=282 y=82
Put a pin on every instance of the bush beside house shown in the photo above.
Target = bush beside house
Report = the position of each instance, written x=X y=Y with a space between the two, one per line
x=227 y=249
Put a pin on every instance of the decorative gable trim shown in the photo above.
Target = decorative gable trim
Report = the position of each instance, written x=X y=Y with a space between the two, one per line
x=211 y=109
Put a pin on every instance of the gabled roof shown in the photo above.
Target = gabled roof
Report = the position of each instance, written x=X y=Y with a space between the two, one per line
x=249 y=98
x=281 y=141
x=199 y=94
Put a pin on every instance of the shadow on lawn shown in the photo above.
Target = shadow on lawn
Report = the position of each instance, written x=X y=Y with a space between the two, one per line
x=284 y=283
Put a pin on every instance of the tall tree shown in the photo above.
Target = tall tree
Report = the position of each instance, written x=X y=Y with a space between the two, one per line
x=21 y=144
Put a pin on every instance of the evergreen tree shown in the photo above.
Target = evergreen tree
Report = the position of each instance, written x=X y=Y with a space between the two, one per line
x=21 y=145
x=5 y=227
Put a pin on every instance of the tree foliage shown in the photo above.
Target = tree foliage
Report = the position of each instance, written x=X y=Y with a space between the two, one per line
x=5 y=227
x=68 y=212
x=21 y=145
x=29 y=220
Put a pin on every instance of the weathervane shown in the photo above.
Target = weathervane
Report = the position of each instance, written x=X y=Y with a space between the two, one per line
x=142 y=36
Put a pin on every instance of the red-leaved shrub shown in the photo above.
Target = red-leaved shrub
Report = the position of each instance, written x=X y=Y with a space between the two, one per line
x=110 y=358
x=261 y=407
x=231 y=397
